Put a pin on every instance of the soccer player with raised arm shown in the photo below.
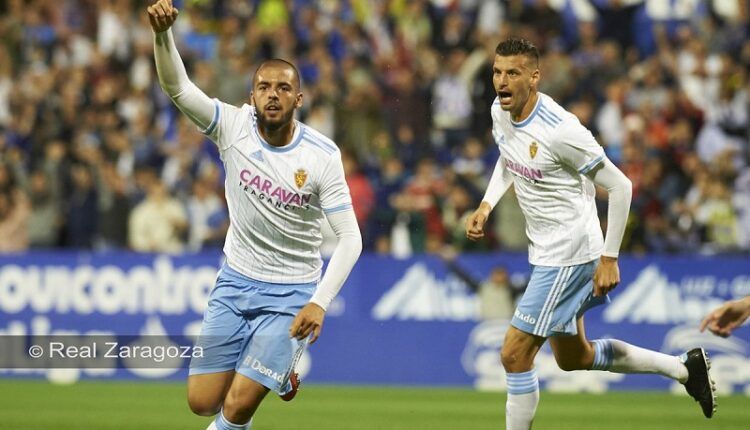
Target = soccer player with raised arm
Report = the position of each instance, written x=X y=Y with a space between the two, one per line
x=282 y=178
x=553 y=161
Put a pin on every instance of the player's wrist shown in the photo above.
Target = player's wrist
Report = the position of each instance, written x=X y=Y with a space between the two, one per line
x=608 y=259
x=319 y=302
x=485 y=207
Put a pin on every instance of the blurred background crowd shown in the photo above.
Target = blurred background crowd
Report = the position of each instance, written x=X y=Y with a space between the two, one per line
x=94 y=156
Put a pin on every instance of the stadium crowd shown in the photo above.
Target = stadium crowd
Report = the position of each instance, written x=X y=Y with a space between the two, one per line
x=94 y=156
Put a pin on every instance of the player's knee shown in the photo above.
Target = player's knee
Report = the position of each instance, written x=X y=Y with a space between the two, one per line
x=200 y=405
x=514 y=360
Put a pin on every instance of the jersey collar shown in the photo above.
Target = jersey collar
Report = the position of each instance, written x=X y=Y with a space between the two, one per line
x=532 y=115
x=296 y=138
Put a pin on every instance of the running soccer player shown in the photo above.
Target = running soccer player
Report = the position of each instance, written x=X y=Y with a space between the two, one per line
x=282 y=177
x=553 y=161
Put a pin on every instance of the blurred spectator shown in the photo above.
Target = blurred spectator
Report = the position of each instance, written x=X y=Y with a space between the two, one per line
x=451 y=100
x=114 y=209
x=84 y=130
x=383 y=217
x=457 y=207
x=46 y=216
x=14 y=211
x=82 y=215
x=419 y=202
x=717 y=216
x=496 y=296
x=157 y=224
x=363 y=198
x=470 y=168
x=206 y=214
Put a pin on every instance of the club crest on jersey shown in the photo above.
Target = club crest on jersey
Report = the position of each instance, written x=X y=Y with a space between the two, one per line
x=300 y=176
x=533 y=148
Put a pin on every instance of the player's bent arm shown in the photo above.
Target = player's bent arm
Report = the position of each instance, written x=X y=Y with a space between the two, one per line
x=620 y=191
x=174 y=81
x=500 y=181
x=346 y=253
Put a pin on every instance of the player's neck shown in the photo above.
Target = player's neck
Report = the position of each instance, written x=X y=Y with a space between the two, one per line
x=277 y=137
x=527 y=108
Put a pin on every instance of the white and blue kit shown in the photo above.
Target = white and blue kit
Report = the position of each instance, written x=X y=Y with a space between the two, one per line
x=546 y=157
x=277 y=198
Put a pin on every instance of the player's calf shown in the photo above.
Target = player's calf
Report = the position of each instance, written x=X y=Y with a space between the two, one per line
x=243 y=399
x=572 y=352
x=570 y=363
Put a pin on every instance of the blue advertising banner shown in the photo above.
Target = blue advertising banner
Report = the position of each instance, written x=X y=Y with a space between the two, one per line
x=397 y=321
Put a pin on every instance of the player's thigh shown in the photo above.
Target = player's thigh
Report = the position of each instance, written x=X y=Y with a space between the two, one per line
x=573 y=352
x=519 y=350
x=206 y=392
x=243 y=398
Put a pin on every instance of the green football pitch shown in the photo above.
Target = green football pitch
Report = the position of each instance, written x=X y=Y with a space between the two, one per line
x=32 y=405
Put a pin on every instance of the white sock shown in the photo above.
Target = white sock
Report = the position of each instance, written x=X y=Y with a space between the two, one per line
x=222 y=423
x=523 y=397
x=620 y=357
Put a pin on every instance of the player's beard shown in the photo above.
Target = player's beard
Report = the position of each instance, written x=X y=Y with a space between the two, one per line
x=274 y=124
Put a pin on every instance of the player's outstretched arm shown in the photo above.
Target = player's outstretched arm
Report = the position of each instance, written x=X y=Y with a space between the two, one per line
x=620 y=190
x=499 y=184
x=727 y=317
x=310 y=318
x=173 y=77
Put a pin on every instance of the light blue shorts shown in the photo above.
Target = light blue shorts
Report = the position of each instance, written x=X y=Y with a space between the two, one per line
x=246 y=328
x=555 y=298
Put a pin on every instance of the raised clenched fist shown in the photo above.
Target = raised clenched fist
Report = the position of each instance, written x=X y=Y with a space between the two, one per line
x=162 y=15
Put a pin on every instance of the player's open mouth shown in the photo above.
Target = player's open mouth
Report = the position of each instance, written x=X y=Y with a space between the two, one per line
x=273 y=108
x=505 y=97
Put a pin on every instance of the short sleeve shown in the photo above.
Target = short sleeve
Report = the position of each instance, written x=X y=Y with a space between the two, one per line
x=577 y=147
x=334 y=192
x=226 y=124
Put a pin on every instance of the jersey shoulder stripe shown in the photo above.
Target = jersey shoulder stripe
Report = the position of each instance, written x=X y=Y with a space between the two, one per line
x=547 y=118
x=550 y=113
x=319 y=138
x=306 y=138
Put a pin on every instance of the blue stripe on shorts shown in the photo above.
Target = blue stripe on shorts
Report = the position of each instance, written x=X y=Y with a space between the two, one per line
x=555 y=298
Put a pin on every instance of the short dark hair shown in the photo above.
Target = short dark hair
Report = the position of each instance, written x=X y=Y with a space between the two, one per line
x=518 y=46
x=279 y=62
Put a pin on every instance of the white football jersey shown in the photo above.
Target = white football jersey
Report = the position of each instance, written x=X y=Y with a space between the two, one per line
x=548 y=154
x=277 y=196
